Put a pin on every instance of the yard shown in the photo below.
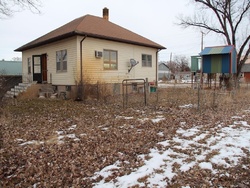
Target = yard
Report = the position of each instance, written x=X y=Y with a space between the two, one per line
x=177 y=140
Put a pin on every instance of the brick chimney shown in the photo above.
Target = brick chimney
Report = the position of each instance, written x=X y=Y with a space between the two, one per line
x=105 y=13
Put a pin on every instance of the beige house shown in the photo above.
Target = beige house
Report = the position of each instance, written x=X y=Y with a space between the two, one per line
x=89 y=49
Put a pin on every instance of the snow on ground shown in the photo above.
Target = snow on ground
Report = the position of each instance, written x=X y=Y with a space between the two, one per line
x=221 y=145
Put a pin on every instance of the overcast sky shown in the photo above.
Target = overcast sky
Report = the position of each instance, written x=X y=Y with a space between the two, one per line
x=153 y=19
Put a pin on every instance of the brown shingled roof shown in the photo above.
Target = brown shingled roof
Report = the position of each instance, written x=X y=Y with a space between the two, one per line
x=91 y=26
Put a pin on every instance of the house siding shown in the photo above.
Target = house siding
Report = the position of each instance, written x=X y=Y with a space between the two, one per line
x=54 y=77
x=93 y=70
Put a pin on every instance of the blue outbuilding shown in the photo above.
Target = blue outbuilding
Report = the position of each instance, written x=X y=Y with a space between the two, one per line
x=219 y=59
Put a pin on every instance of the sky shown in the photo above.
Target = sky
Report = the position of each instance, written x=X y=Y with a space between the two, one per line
x=153 y=19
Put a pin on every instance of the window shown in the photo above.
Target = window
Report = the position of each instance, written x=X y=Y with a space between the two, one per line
x=110 y=60
x=29 y=65
x=37 y=64
x=61 y=61
x=146 y=60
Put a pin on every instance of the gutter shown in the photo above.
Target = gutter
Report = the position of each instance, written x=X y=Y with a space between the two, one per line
x=81 y=56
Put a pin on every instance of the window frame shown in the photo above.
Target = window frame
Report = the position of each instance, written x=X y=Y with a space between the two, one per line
x=62 y=60
x=110 y=62
x=148 y=60
x=29 y=65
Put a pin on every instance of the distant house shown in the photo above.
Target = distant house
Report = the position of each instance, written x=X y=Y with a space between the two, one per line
x=245 y=70
x=163 y=72
x=89 y=49
x=10 y=68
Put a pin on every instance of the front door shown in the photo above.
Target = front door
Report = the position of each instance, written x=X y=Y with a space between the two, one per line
x=40 y=68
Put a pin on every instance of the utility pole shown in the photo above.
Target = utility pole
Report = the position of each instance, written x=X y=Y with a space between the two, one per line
x=201 y=74
x=202 y=35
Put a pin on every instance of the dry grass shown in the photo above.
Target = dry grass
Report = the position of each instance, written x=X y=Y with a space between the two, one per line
x=105 y=135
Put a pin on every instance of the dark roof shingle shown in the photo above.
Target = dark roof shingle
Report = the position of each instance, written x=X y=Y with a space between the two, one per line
x=91 y=26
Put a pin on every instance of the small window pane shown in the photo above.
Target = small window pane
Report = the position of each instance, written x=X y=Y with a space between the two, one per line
x=106 y=66
x=105 y=56
x=58 y=56
x=64 y=55
x=113 y=56
x=65 y=65
x=113 y=66
x=58 y=66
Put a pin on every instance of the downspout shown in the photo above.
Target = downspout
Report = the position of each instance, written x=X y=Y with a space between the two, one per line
x=81 y=57
x=156 y=75
x=80 y=89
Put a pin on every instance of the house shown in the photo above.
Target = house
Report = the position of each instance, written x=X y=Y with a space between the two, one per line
x=89 y=49
x=245 y=71
x=163 y=72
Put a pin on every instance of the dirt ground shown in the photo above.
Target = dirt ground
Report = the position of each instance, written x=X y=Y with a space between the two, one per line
x=32 y=153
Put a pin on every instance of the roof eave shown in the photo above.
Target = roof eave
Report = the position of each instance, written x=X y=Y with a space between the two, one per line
x=54 y=39
x=74 y=33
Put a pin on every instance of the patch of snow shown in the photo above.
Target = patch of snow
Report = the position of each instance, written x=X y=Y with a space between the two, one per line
x=223 y=143
x=19 y=140
x=143 y=120
x=160 y=134
x=124 y=117
x=206 y=165
x=187 y=166
x=236 y=117
x=128 y=118
x=72 y=127
x=60 y=132
x=31 y=142
x=186 y=106
x=158 y=119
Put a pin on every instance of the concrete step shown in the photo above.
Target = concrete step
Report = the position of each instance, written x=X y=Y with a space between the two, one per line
x=17 y=89
x=13 y=93
x=21 y=87
x=7 y=95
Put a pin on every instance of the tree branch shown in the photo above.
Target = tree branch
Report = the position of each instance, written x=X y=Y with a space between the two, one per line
x=9 y=7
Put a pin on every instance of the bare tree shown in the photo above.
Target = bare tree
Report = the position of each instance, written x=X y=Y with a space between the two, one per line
x=178 y=64
x=182 y=63
x=173 y=66
x=9 y=7
x=17 y=59
x=228 y=18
